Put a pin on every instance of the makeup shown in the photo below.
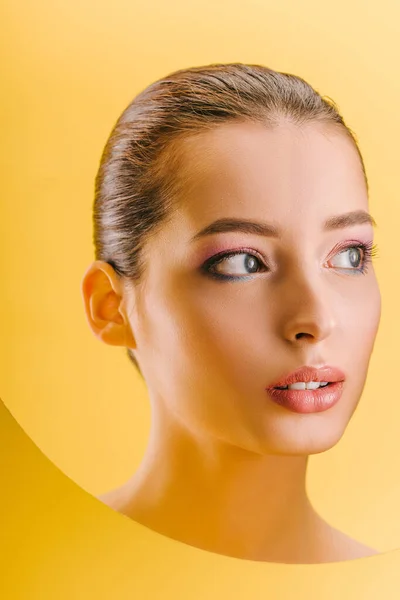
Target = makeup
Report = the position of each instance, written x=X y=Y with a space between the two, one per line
x=330 y=381
x=364 y=250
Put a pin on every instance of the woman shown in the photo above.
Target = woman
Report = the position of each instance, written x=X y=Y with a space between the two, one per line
x=233 y=261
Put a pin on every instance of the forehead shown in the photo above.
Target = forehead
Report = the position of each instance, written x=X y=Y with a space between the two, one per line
x=238 y=169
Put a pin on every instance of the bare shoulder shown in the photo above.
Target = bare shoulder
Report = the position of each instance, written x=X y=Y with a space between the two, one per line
x=115 y=499
x=342 y=547
x=356 y=549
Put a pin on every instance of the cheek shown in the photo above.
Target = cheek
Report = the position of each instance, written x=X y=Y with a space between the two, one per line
x=182 y=341
x=361 y=327
x=203 y=345
x=368 y=313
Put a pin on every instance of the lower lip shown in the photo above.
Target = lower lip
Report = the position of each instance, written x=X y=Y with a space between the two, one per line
x=308 y=401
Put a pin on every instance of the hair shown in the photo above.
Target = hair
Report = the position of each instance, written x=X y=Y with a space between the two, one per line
x=139 y=177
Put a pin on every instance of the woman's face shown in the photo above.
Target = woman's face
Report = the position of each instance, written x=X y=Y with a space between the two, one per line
x=211 y=338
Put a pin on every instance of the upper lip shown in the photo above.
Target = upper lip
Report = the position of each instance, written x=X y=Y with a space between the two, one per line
x=307 y=374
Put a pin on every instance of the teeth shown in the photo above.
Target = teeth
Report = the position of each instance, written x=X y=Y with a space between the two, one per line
x=309 y=385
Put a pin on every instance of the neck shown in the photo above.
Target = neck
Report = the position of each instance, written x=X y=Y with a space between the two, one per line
x=221 y=498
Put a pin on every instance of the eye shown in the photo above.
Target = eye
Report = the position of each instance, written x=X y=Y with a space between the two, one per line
x=233 y=265
x=241 y=264
x=355 y=257
x=350 y=258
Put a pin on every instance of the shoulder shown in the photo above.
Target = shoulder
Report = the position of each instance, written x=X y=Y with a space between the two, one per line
x=356 y=549
x=342 y=547
x=114 y=499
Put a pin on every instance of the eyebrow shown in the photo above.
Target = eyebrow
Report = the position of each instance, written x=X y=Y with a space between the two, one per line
x=225 y=225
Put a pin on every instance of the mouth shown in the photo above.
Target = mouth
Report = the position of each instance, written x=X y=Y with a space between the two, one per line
x=308 y=390
x=309 y=378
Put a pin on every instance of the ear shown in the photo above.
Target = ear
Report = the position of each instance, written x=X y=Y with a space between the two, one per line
x=102 y=293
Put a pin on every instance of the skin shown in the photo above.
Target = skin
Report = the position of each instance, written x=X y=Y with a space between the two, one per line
x=225 y=467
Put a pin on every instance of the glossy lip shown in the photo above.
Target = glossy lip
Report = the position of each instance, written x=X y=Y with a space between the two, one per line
x=309 y=401
x=307 y=374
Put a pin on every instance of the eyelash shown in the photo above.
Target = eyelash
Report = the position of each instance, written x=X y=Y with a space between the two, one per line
x=369 y=250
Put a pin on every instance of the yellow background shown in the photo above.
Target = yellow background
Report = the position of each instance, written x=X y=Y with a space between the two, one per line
x=62 y=544
x=70 y=68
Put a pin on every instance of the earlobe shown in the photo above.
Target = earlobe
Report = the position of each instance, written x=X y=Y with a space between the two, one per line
x=102 y=295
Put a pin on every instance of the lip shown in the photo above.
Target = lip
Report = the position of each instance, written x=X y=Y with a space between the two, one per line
x=309 y=401
x=307 y=374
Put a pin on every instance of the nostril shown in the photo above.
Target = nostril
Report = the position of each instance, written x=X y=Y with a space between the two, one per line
x=300 y=335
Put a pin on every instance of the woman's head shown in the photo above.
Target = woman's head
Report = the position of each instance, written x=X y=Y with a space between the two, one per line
x=245 y=143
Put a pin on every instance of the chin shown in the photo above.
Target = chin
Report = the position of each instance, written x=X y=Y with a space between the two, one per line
x=303 y=439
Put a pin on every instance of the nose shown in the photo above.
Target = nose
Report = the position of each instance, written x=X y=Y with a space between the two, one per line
x=307 y=315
